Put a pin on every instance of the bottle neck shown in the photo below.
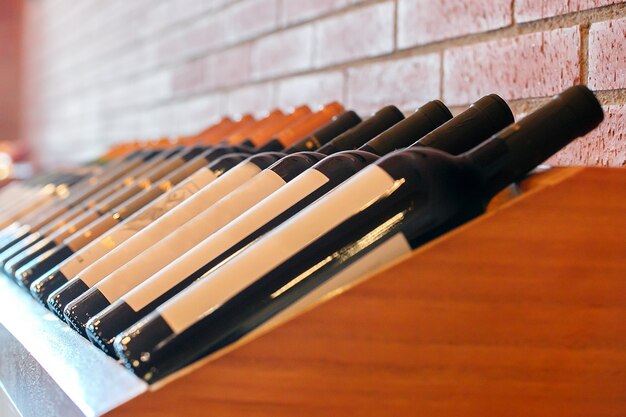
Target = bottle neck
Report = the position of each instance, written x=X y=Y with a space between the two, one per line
x=325 y=134
x=364 y=131
x=516 y=150
x=407 y=131
x=482 y=119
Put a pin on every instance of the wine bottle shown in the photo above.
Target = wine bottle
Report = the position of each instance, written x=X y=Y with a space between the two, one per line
x=388 y=209
x=183 y=239
x=261 y=136
x=26 y=199
x=93 y=178
x=150 y=161
x=27 y=254
x=127 y=228
x=266 y=215
x=226 y=182
x=210 y=220
x=148 y=214
x=99 y=249
x=52 y=210
x=89 y=213
x=302 y=128
x=74 y=208
x=71 y=245
x=146 y=170
x=325 y=134
x=238 y=136
x=483 y=118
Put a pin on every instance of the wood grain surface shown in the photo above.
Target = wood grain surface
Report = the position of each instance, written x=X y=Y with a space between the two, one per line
x=520 y=312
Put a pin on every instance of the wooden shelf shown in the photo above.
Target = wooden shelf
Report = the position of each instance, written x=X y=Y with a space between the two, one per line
x=519 y=312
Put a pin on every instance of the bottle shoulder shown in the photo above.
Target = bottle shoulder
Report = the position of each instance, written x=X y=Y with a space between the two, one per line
x=265 y=159
x=227 y=161
x=438 y=174
x=345 y=163
x=293 y=164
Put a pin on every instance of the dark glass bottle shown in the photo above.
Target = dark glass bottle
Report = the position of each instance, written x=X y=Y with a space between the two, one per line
x=285 y=203
x=200 y=178
x=391 y=207
x=482 y=119
x=167 y=250
x=227 y=180
x=108 y=263
x=212 y=219
x=90 y=184
x=44 y=273
x=305 y=126
x=129 y=199
x=54 y=232
x=49 y=212
x=325 y=134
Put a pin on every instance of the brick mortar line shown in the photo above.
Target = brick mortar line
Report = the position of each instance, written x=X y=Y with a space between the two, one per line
x=584 y=53
x=395 y=25
x=440 y=46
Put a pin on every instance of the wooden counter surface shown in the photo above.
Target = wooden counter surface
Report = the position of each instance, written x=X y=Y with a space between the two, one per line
x=520 y=312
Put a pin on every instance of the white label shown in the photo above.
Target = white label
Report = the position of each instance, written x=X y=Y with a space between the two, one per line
x=223 y=239
x=169 y=222
x=276 y=247
x=120 y=233
x=189 y=235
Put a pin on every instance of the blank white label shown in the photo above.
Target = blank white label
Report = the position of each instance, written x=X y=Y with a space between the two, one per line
x=168 y=223
x=190 y=234
x=223 y=239
x=122 y=232
x=353 y=196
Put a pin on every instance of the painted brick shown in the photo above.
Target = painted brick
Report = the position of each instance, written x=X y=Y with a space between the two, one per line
x=188 y=9
x=359 y=33
x=407 y=83
x=171 y=47
x=527 y=10
x=315 y=89
x=425 y=21
x=605 y=146
x=283 y=53
x=203 y=35
x=534 y=65
x=293 y=11
x=136 y=73
x=249 y=18
x=191 y=77
x=607 y=55
x=152 y=18
x=198 y=113
x=255 y=99
x=231 y=67
x=150 y=89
